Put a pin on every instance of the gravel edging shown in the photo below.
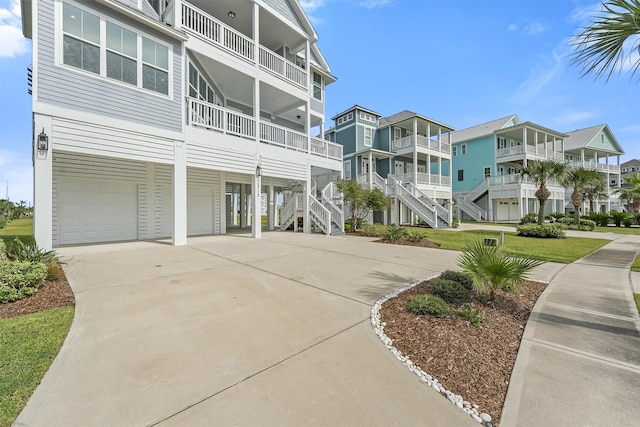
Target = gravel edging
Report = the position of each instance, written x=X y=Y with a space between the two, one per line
x=467 y=407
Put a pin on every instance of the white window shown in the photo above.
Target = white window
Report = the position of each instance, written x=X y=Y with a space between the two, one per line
x=122 y=54
x=368 y=137
x=397 y=133
x=199 y=88
x=349 y=117
x=463 y=149
x=81 y=39
x=454 y=150
x=347 y=169
x=502 y=142
x=129 y=57
x=155 y=66
x=317 y=86
x=487 y=171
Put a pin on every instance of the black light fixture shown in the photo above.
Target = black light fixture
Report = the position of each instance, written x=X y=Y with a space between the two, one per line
x=43 y=141
x=231 y=14
x=258 y=171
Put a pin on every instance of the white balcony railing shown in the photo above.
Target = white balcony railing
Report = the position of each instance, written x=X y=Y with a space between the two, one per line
x=424 y=142
x=514 y=179
x=216 y=32
x=209 y=116
x=424 y=179
x=529 y=150
x=602 y=167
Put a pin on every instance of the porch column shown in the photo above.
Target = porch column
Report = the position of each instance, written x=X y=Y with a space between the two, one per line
x=256 y=205
x=179 y=237
x=256 y=82
x=271 y=208
x=43 y=183
x=243 y=206
x=306 y=226
x=415 y=151
x=619 y=172
x=223 y=203
x=428 y=168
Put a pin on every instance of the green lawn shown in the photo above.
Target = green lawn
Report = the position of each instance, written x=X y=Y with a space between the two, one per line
x=618 y=230
x=28 y=345
x=21 y=228
x=554 y=250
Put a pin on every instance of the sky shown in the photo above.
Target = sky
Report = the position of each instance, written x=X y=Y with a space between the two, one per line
x=459 y=62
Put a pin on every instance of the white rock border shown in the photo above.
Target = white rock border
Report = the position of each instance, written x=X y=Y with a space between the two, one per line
x=457 y=400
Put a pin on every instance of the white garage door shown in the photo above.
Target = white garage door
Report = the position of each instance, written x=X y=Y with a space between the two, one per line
x=97 y=211
x=199 y=210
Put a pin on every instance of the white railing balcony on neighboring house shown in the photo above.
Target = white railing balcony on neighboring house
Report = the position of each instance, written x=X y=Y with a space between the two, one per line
x=324 y=148
x=601 y=167
x=217 y=33
x=514 y=179
x=529 y=150
x=424 y=142
x=424 y=179
x=210 y=116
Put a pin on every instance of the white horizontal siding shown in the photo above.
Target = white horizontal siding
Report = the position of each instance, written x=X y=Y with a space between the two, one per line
x=70 y=135
x=81 y=165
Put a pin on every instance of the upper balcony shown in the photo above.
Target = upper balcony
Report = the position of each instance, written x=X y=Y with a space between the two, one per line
x=601 y=167
x=530 y=152
x=279 y=60
x=529 y=141
x=516 y=179
x=209 y=116
x=401 y=145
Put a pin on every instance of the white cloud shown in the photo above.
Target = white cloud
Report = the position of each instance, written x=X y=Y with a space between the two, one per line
x=547 y=69
x=13 y=42
x=512 y=27
x=311 y=5
x=571 y=117
x=533 y=28
x=583 y=15
x=371 y=4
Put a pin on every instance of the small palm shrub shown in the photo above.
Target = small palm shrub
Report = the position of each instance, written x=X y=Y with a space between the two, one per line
x=529 y=218
x=557 y=216
x=394 y=232
x=415 y=236
x=450 y=291
x=544 y=231
x=637 y=217
x=602 y=219
x=30 y=252
x=428 y=304
x=492 y=269
x=19 y=279
x=618 y=217
x=458 y=276
x=628 y=221
x=373 y=230
x=475 y=317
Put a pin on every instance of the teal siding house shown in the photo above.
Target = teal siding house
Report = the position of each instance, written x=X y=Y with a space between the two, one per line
x=405 y=155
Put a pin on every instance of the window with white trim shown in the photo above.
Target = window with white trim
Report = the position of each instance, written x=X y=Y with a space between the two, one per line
x=122 y=54
x=81 y=39
x=487 y=171
x=129 y=57
x=317 y=86
x=454 y=150
x=199 y=88
x=502 y=142
x=397 y=133
x=347 y=169
x=463 y=149
x=368 y=137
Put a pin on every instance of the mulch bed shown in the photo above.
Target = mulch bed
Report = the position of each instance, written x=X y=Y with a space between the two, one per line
x=52 y=294
x=474 y=362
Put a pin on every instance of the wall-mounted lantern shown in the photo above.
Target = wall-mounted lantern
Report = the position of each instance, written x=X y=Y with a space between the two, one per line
x=258 y=171
x=43 y=141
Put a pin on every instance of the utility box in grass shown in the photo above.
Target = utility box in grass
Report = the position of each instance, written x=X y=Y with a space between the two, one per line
x=490 y=241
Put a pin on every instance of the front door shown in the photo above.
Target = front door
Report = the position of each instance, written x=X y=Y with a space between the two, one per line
x=399 y=167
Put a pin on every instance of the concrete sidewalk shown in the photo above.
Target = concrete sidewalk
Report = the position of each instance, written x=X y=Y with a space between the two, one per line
x=235 y=331
x=579 y=359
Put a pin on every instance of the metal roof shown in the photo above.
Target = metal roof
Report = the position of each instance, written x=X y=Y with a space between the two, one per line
x=581 y=138
x=483 y=129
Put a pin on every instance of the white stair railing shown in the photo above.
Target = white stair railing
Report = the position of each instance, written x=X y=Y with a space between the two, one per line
x=477 y=191
x=473 y=210
x=441 y=211
x=290 y=212
x=320 y=215
x=426 y=213
x=329 y=193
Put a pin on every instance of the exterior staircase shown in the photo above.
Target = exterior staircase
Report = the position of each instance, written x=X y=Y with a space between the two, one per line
x=325 y=212
x=467 y=203
x=433 y=214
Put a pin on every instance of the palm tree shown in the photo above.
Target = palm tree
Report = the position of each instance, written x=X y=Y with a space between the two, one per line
x=594 y=191
x=540 y=172
x=491 y=269
x=632 y=191
x=599 y=47
x=579 y=178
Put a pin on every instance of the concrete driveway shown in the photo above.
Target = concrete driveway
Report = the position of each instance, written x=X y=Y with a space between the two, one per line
x=234 y=331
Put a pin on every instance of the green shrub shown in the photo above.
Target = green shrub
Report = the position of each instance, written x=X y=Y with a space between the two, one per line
x=455 y=223
x=628 y=221
x=544 y=231
x=347 y=228
x=529 y=218
x=3 y=251
x=458 y=276
x=450 y=291
x=476 y=317
x=637 y=217
x=18 y=250
x=373 y=230
x=558 y=216
x=585 y=225
x=602 y=219
x=19 y=279
x=415 y=236
x=428 y=304
x=394 y=232
x=618 y=217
